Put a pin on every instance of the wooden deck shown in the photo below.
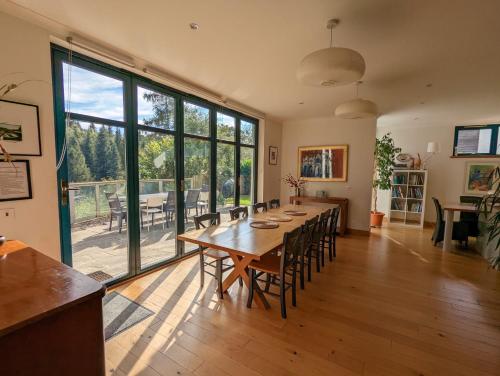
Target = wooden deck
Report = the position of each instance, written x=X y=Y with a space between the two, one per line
x=391 y=304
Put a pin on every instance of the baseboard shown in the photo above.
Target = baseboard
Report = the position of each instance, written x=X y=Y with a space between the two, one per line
x=354 y=231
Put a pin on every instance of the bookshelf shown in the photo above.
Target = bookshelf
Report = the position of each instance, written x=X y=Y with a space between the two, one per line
x=408 y=190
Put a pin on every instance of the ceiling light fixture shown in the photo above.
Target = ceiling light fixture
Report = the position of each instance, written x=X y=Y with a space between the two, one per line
x=333 y=66
x=194 y=26
x=357 y=108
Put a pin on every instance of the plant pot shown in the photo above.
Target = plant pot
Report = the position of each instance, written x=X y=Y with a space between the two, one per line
x=376 y=219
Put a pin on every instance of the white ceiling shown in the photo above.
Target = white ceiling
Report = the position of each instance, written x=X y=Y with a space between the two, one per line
x=249 y=50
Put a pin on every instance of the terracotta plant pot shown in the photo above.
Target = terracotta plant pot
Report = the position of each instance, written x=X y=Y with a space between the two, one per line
x=376 y=219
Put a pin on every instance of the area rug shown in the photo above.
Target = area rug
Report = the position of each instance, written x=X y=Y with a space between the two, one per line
x=121 y=313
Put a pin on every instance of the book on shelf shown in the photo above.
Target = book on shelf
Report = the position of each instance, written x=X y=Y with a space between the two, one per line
x=398 y=205
x=416 y=207
x=416 y=179
x=397 y=192
x=415 y=192
x=399 y=179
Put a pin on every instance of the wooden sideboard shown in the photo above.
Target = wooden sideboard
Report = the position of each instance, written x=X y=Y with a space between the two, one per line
x=341 y=201
x=50 y=316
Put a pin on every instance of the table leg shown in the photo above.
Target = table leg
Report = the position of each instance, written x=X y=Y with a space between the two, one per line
x=241 y=269
x=448 y=230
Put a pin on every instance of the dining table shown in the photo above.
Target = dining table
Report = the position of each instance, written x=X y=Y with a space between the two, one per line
x=245 y=243
x=449 y=210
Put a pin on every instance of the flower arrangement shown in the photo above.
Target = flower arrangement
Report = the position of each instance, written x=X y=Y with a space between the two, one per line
x=293 y=182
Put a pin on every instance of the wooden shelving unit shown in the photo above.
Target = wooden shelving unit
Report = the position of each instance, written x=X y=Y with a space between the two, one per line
x=408 y=191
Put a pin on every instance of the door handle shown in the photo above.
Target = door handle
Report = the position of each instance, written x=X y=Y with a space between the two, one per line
x=65 y=192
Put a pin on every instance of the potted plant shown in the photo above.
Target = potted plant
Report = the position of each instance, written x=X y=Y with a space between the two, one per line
x=383 y=164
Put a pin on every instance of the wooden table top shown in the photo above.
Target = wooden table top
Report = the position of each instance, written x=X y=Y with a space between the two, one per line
x=240 y=238
x=34 y=286
x=460 y=207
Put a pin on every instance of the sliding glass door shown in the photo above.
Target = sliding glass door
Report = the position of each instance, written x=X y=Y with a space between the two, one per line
x=137 y=161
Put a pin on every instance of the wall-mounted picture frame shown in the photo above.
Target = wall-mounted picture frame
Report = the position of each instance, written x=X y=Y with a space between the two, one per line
x=20 y=128
x=477 y=177
x=323 y=163
x=273 y=155
x=15 y=180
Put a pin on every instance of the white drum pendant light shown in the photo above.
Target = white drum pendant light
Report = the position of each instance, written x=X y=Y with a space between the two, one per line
x=357 y=108
x=333 y=66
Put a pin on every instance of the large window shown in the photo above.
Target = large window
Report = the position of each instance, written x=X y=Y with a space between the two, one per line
x=477 y=140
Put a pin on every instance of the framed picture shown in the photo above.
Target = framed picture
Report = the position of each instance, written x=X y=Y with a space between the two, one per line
x=273 y=155
x=477 y=177
x=20 y=128
x=323 y=163
x=15 y=180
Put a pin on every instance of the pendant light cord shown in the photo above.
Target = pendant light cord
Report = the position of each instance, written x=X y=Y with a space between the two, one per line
x=331 y=37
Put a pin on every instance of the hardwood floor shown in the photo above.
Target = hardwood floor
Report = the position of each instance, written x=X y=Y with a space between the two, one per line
x=391 y=304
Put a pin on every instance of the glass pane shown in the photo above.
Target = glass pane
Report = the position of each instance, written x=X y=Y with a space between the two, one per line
x=247 y=132
x=92 y=93
x=196 y=119
x=157 y=197
x=98 y=210
x=155 y=109
x=247 y=179
x=226 y=126
x=197 y=181
x=225 y=178
x=472 y=141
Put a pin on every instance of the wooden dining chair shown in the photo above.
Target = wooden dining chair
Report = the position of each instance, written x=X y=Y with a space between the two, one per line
x=308 y=229
x=239 y=212
x=274 y=203
x=216 y=257
x=316 y=250
x=259 y=207
x=331 y=233
x=280 y=267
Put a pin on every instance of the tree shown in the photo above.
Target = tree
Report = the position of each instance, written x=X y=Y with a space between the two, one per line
x=88 y=147
x=107 y=155
x=77 y=168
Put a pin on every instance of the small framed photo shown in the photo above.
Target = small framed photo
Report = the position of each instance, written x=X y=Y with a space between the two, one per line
x=15 y=180
x=20 y=128
x=273 y=155
x=477 y=177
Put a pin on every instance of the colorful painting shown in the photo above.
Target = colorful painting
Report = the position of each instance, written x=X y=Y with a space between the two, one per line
x=477 y=176
x=323 y=163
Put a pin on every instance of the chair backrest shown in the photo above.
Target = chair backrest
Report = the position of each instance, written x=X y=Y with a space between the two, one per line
x=470 y=217
x=308 y=229
x=238 y=212
x=334 y=219
x=259 y=207
x=274 y=203
x=322 y=225
x=192 y=196
x=154 y=202
x=290 y=251
x=171 y=198
x=114 y=202
x=206 y=220
x=439 y=212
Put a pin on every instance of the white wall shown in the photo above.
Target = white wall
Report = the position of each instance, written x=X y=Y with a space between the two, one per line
x=446 y=176
x=359 y=135
x=26 y=48
x=269 y=175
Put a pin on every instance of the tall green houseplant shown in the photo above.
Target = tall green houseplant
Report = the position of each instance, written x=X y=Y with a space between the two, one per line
x=385 y=152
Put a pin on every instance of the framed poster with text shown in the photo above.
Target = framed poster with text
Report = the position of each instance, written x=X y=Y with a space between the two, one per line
x=15 y=180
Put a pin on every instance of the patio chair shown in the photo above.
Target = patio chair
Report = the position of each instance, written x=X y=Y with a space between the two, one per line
x=154 y=205
x=169 y=207
x=191 y=202
x=116 y=210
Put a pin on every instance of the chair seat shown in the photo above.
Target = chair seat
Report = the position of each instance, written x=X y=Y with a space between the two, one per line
x=152 y=210
x=269 y=263
x=215 y=254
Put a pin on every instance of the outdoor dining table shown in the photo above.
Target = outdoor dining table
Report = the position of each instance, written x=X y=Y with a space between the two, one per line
x=245 y=243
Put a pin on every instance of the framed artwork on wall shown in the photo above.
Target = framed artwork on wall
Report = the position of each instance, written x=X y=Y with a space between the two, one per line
x=273 y=155
x=15 y=180
x=20 y=128
x=323 y=163
x=477 y=177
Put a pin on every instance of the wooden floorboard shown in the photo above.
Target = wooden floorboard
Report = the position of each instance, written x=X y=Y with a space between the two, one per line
x=390 y=304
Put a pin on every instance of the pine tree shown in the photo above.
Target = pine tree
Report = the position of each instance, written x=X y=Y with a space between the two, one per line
x=77 y=168
x=89 y=149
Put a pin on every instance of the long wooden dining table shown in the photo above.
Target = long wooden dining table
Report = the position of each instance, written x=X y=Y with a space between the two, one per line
x=245 y=243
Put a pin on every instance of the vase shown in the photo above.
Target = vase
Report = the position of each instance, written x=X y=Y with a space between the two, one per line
x=297 y=192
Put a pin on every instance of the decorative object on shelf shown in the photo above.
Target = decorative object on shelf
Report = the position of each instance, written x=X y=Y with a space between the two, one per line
x=323 y=163
x=385 y=152
x=15 y=180
x=477 y=177
x=417 y=162
x=19 y=129
x=433 y=148
x=333 y=66
x=296 y=183
x=273 y=155
x=357 y=108
x=405 y=161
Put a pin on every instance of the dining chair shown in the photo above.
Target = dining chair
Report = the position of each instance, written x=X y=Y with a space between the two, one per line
x=274 y=203
x=471 y=219
x=316 y=250
x=191 y=202
x=459 y=231
x=154 y=205
x=116 y=210
x=259 y=207
x=280 y=267
x=169 y=207
x=239 y=212
x=308 y=229
x=331 y=233
x=216 y=257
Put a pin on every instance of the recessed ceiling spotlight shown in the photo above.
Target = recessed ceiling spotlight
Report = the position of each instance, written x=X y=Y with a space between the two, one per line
x=301 y=102
x=422 y=102
x=417 y=118
x=428 y=85
x=194 y=26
